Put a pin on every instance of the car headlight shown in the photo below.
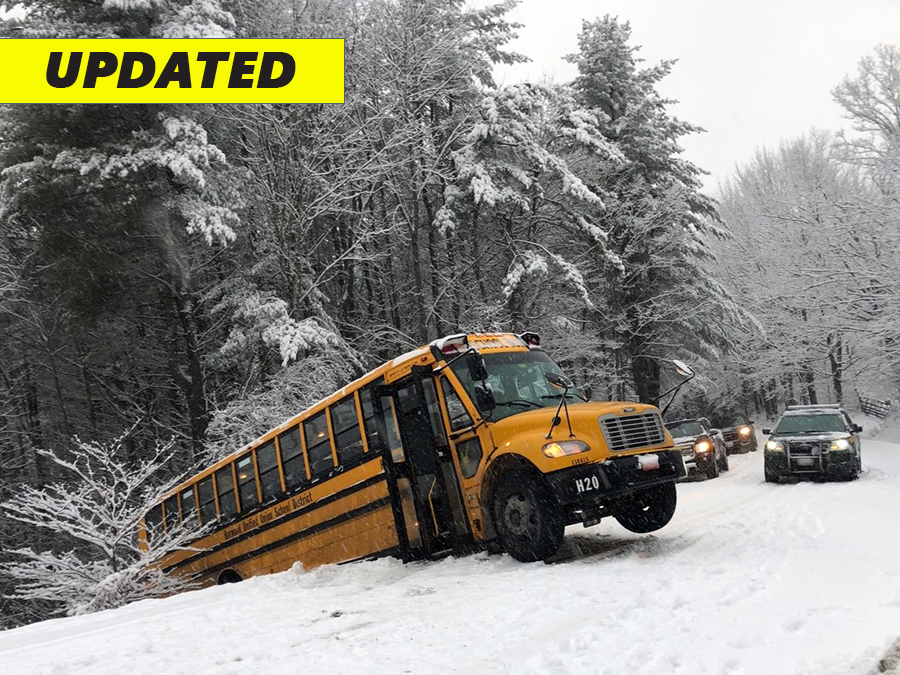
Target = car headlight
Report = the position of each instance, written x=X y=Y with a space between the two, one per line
x=840 y=444
x=774 y=446
x=702 y=446
x=563 y=448
x=744 y=431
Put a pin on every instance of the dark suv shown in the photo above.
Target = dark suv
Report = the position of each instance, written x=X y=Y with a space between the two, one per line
x=738 y=432
x=817 y=441
x=701 y=446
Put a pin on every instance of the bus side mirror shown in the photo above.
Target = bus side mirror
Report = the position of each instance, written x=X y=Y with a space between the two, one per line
x=477 y=369
x=484 y=397
x=558 y=380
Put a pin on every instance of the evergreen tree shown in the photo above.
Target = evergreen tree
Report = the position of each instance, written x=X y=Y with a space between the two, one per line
x=658 y=302
x=127 y=199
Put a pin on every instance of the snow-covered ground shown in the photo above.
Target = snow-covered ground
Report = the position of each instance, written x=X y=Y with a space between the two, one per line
x=749 y=578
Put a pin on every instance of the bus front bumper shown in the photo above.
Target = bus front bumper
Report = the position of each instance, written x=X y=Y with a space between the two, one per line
x=590 y=484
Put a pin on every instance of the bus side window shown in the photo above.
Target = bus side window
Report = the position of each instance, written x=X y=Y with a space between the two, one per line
x=318 y=447
x=247 y=482
x=207 y=498
x=347 y=438
x=368 y=414
x=469 y=454
x=189 y=507
x=153 y=523
x=225 y=488
x=267 y=461
x=292 y=458
x=434 y=413
x=393 y=433
x=172 y=517
x=459 y=418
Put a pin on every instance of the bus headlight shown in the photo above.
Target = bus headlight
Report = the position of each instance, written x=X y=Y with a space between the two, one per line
x=744 y=431
x=774 y=446
x=840 y=444
x=563 y=448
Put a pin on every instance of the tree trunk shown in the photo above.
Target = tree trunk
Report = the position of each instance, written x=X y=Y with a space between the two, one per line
x=809 y=381
x=835 y=354
x=645 y=371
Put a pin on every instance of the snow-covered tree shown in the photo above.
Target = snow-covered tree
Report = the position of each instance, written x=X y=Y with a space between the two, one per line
x=871 y=102
x=129 y=201
x=658 y=299
x=518 y=184
x=93 y=515
x=809 y=261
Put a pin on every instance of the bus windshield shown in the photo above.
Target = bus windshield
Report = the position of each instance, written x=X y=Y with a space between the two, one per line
x=518 y=381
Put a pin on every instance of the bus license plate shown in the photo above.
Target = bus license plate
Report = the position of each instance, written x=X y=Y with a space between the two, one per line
x=587 y=484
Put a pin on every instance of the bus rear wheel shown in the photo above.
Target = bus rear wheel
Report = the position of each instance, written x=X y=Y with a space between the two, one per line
x=647 y=510
x=528 y=519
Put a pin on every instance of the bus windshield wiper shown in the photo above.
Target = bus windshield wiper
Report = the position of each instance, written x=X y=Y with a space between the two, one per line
x=520 y=401
x=560 y=395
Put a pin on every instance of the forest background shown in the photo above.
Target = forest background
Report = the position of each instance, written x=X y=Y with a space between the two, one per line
x=198 y=274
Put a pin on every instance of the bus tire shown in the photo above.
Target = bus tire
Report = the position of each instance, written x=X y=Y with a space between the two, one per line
x=527 y=518
x=228 y=577
x=648 y=509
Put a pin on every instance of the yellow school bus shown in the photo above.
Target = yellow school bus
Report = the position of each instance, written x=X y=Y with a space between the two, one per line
x=473 y=441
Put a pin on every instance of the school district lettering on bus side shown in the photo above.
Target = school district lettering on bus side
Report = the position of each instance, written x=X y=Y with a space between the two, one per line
x=172 y=71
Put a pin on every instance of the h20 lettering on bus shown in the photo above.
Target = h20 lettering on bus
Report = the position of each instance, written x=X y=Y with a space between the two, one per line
x=587 y=484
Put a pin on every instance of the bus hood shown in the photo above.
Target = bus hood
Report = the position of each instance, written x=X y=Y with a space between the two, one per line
x=584 y=418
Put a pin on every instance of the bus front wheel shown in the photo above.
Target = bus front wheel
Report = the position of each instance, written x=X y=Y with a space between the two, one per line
x=528 y=519
x=647 y=510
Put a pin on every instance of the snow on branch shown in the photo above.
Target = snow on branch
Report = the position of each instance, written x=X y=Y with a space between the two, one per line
x=530 y=264
x=260 y=316
x=179 y=150
x=96 y=512
x=199 y=19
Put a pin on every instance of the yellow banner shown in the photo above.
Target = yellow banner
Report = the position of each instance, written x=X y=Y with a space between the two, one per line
x=172 y=71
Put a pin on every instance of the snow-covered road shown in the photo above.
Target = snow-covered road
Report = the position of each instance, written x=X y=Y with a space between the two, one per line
x=749 y=578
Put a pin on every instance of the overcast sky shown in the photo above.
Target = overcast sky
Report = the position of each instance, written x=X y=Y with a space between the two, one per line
x=751 y=73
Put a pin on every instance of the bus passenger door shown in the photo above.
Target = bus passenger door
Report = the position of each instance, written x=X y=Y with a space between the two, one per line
x=468 y=442
x=425 y=461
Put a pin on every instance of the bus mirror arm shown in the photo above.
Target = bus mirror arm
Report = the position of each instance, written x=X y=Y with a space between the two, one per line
x=674 y=391
x=453 y=360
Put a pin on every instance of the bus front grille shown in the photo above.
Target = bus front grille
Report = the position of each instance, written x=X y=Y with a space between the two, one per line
x=632 y=431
